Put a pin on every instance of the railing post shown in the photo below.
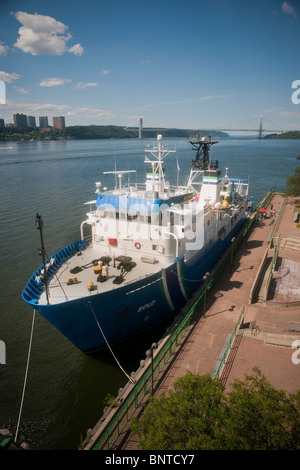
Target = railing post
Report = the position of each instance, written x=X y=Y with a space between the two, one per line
x=149 y=353
x=205 y=287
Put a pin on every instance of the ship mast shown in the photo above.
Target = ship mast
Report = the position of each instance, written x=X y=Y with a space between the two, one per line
x=202 y=162
x=39 y=225
x=156 y=175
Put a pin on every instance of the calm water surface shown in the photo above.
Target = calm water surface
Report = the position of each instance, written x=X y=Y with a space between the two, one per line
x=65 y=388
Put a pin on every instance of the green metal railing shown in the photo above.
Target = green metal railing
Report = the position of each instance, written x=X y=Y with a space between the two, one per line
x=273 y=263
x=143 y=388
x=266 y=199
x=226 y=352
x=276 y=221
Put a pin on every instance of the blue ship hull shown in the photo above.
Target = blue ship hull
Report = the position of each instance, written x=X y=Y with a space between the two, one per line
x=110 y=317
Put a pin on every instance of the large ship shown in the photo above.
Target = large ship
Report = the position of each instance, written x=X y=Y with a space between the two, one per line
x=143 y=250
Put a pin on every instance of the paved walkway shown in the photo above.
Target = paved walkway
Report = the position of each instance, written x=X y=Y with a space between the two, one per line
x=267 y=350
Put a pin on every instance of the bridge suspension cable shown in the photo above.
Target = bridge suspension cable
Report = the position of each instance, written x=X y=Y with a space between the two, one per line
x=132 y=124
x=274 y=125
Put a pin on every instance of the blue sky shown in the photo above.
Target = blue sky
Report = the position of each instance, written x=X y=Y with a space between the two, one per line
x=175 y=63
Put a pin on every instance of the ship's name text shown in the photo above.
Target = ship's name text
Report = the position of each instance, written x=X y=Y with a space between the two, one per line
x=148 y=305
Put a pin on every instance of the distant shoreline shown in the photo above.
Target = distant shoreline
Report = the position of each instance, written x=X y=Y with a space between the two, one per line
x=285 y=135
x=13 y=134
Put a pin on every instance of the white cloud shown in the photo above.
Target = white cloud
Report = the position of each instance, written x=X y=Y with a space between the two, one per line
x=21 y=90
x=49 y=82
x=43 y=35
x=289 y=119
x=77 y=49
x=286 y=8
x=105 y=72
x=9 y=77
x=90 y=113
x=82 y=85
x=3 y=49
x=39 y=109
x=50 y=109
x=289 y=114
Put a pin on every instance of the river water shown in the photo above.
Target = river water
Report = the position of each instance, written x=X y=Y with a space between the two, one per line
x=65 y=388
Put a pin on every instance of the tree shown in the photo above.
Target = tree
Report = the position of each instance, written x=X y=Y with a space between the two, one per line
x=184 y=418
x=198 y=415
x=257 y=416
x=293 y=184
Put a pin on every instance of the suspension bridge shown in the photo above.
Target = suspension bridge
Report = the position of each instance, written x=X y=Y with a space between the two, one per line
x=253 y=126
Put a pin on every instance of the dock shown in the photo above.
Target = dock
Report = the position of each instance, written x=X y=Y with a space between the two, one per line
x=248 y=316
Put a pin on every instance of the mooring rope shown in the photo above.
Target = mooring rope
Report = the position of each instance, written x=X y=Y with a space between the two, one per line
x=108 y=345
x=26 y=373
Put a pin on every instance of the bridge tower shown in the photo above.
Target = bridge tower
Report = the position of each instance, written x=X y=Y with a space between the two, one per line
x=140 y=128
x=260 y=128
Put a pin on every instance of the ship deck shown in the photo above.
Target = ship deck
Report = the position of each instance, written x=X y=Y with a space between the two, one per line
x=59 y=290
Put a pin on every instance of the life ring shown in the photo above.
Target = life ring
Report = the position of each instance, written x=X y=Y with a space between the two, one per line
x=137 y=245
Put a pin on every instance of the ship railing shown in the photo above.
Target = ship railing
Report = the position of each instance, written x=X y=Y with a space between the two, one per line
x=207 y=138
x=178 y=189
x=88 y=239
x=138 y=186
x=172 y=187
x=35 y=287
x=114 y=426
